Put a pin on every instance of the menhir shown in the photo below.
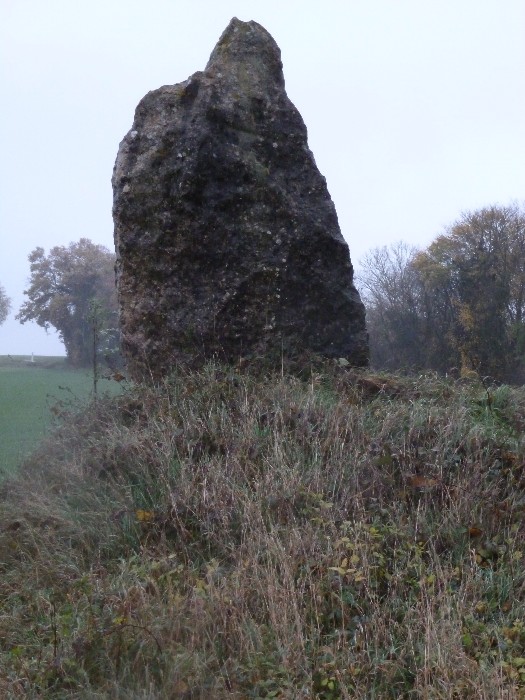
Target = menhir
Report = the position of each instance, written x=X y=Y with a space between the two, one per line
x=227 y=241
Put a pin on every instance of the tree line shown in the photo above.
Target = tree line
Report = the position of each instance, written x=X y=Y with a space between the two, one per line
x=457 y=305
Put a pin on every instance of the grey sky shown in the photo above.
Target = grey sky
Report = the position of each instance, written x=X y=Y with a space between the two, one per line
x=415 y=111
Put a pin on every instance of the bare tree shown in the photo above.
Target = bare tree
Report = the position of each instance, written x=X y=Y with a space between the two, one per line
x=390 y=289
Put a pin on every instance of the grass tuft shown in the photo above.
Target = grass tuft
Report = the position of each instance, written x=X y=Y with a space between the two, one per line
x=341 y=534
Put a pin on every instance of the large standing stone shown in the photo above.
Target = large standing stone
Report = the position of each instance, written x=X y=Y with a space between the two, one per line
x=227 y=240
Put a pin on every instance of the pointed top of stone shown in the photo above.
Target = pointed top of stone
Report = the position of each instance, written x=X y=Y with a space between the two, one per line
x=246 y=48
x=228 y=244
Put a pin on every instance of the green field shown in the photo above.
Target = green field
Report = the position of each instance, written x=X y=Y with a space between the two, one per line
x=30 y=392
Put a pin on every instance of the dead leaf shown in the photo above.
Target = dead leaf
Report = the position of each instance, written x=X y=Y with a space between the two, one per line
x=475 y=531
x=144 y=516
x=421 y=482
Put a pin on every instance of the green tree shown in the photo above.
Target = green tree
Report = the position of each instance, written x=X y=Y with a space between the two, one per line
x=474 y=284
x=63 y=287
x=458 y=304
x=5 y=305
x=438 y=317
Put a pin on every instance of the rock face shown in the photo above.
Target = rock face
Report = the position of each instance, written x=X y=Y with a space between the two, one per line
x=227 y=240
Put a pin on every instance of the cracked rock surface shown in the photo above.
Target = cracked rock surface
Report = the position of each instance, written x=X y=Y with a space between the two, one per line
x=227 y=240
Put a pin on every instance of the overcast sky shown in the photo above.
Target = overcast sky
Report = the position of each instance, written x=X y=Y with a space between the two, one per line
x=415 y=111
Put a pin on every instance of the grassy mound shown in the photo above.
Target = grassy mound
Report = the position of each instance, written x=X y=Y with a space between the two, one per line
x=343 y=535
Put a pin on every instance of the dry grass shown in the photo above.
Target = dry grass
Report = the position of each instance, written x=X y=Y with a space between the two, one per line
x=343 y=535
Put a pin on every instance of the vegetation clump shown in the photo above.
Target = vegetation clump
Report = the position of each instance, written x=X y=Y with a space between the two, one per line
x=72 y=289
x=458 y=304
x=340 y=534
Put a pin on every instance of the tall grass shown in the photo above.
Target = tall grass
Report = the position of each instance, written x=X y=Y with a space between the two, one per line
x=227 y=535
